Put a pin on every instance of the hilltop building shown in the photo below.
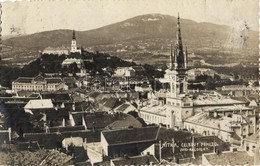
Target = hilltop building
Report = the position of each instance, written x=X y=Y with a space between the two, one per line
x=56 y=51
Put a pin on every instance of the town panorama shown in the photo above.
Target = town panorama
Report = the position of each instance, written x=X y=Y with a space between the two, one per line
x=165 y=103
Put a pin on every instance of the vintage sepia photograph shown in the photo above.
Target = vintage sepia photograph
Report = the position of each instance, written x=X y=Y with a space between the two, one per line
x=129 y=82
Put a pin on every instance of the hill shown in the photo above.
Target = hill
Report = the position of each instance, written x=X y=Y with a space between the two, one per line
x=151 y=26
x=144 y=39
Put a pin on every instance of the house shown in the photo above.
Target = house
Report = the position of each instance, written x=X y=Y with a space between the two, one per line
x=124 y=72
x=130 y=141
x=109 y=104
x=74 y=141
x=135 y=160
x=126 y=122
x=38 y=104
x=250 y=143
x=226 y=128
x=5 y=136
x=227 y=158
x=101 y=120
x=59 y=100
x=125 y=108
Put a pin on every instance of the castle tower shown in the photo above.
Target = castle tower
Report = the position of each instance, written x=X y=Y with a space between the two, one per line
x=73 y=43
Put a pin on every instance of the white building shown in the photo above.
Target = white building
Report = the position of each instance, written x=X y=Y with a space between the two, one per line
x=56 y=51
x=38 y=83
x=70 y=61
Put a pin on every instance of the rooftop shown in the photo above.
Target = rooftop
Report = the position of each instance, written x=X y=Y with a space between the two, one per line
x=155 y=109
x=253 y=138
x=228 y=108
x=39 y=104
x=126 y=122
x=24 y=80
x=219 y=123
x=206 y=100
x=101 y=120
x=136 y=160
x=230 y=158
x=131 y=135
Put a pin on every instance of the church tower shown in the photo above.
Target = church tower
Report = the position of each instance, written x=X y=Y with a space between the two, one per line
x=177 y=71
x=73 y=43
x=180 y=62
x=179 y=104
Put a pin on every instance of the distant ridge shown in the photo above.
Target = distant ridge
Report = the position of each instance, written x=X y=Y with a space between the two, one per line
x=144 y=27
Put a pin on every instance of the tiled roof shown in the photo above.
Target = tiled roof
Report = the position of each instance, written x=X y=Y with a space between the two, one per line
x=136 y=160
x=228 y=108
x=216 y=101
x=168 y=134
x=126 y=122
x=230 y=158
x=39 y=78
x=131 y=135
x=45 y=157
x=103 y=163
x=112 y=103
x=202 y=119
x=155 y=109
x=66 y=128
x=57 y=97
x=94 y=94
x=24 y=80
x=101 y=120
x=53 y=80
x=122 y=107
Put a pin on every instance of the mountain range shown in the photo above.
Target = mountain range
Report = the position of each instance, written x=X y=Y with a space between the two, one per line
x=144 y=27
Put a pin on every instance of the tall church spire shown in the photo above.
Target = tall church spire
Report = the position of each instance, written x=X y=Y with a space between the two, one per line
x=73 y=35
x=171 y=60
x=179 y=47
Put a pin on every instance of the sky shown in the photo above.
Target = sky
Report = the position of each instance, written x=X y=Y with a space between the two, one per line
x=44 y=15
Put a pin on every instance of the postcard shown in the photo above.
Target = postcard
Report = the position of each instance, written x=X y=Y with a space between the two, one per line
x=129 y=82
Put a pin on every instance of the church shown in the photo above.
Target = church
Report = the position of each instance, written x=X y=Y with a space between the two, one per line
x=74 y=48
x=176 y=107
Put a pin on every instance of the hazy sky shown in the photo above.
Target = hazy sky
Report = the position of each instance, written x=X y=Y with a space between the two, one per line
x=43 y=15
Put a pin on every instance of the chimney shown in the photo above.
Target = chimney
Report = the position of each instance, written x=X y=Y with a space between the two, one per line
x=9 y=134
x=215 y=114
x=63 y=122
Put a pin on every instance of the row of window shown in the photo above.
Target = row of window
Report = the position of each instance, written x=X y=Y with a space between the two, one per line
x=152 y=118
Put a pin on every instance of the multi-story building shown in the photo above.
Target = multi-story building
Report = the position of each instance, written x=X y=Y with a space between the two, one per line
x=70 y=61
x=56 y=51
x=38 y=83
